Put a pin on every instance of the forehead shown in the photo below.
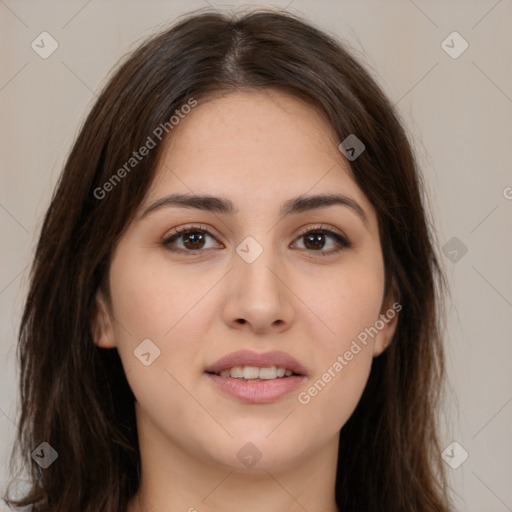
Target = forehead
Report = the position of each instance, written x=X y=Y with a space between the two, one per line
x=258 y=145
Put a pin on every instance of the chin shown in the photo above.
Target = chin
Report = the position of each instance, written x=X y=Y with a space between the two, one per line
x=259 y=453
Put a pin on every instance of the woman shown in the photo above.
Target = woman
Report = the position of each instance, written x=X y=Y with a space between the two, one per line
x=235 y=297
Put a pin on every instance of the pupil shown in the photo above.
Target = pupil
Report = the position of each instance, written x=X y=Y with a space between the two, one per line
x=315 y=239
x=190 y=236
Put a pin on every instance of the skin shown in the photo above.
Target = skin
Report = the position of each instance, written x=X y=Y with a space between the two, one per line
x=257 y=149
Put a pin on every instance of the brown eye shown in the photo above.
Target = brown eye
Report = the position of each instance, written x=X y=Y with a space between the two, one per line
x=192 y=239
x=316 y=239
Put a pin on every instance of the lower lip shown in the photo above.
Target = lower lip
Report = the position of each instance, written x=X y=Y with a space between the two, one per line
x=260 y=392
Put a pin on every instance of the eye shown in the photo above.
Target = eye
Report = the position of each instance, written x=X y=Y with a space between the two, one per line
x=315 y=240
x=193 y=239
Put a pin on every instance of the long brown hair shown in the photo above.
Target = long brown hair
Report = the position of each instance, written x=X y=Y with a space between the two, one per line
x=75 y=396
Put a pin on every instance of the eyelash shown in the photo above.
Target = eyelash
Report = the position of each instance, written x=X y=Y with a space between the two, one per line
x=342 y=242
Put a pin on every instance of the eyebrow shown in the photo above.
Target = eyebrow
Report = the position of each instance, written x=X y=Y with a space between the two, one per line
x=226 y=206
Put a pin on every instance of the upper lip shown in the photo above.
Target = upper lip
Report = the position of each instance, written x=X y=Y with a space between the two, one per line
x=261 y=360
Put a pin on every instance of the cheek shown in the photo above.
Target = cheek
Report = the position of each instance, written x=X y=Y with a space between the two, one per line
x=343 y=360
x=348 y=304
x=167 y=304
x=153 y=302
x=153 y=297
x=343 y=302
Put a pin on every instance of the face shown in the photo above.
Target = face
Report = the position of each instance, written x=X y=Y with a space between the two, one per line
x=199 y=283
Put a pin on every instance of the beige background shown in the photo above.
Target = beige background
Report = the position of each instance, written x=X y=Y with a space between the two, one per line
x=459 y=112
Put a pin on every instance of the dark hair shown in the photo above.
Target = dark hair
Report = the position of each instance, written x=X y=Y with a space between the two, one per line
x=74 y=395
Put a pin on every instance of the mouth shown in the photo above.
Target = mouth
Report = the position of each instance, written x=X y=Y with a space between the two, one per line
x=256 y=378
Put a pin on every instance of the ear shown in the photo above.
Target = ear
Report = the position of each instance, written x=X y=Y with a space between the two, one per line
x=387 y=322
x=102 y=324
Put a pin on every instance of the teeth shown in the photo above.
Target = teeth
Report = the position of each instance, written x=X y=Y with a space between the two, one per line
x=268 y=373
x=251 y=372
x=237 y=372
x=255 y=373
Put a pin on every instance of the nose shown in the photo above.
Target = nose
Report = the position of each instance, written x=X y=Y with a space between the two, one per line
x=259 y=296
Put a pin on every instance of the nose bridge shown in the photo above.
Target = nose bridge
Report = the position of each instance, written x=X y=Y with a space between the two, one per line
x=256 y=265
x=258 y=295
